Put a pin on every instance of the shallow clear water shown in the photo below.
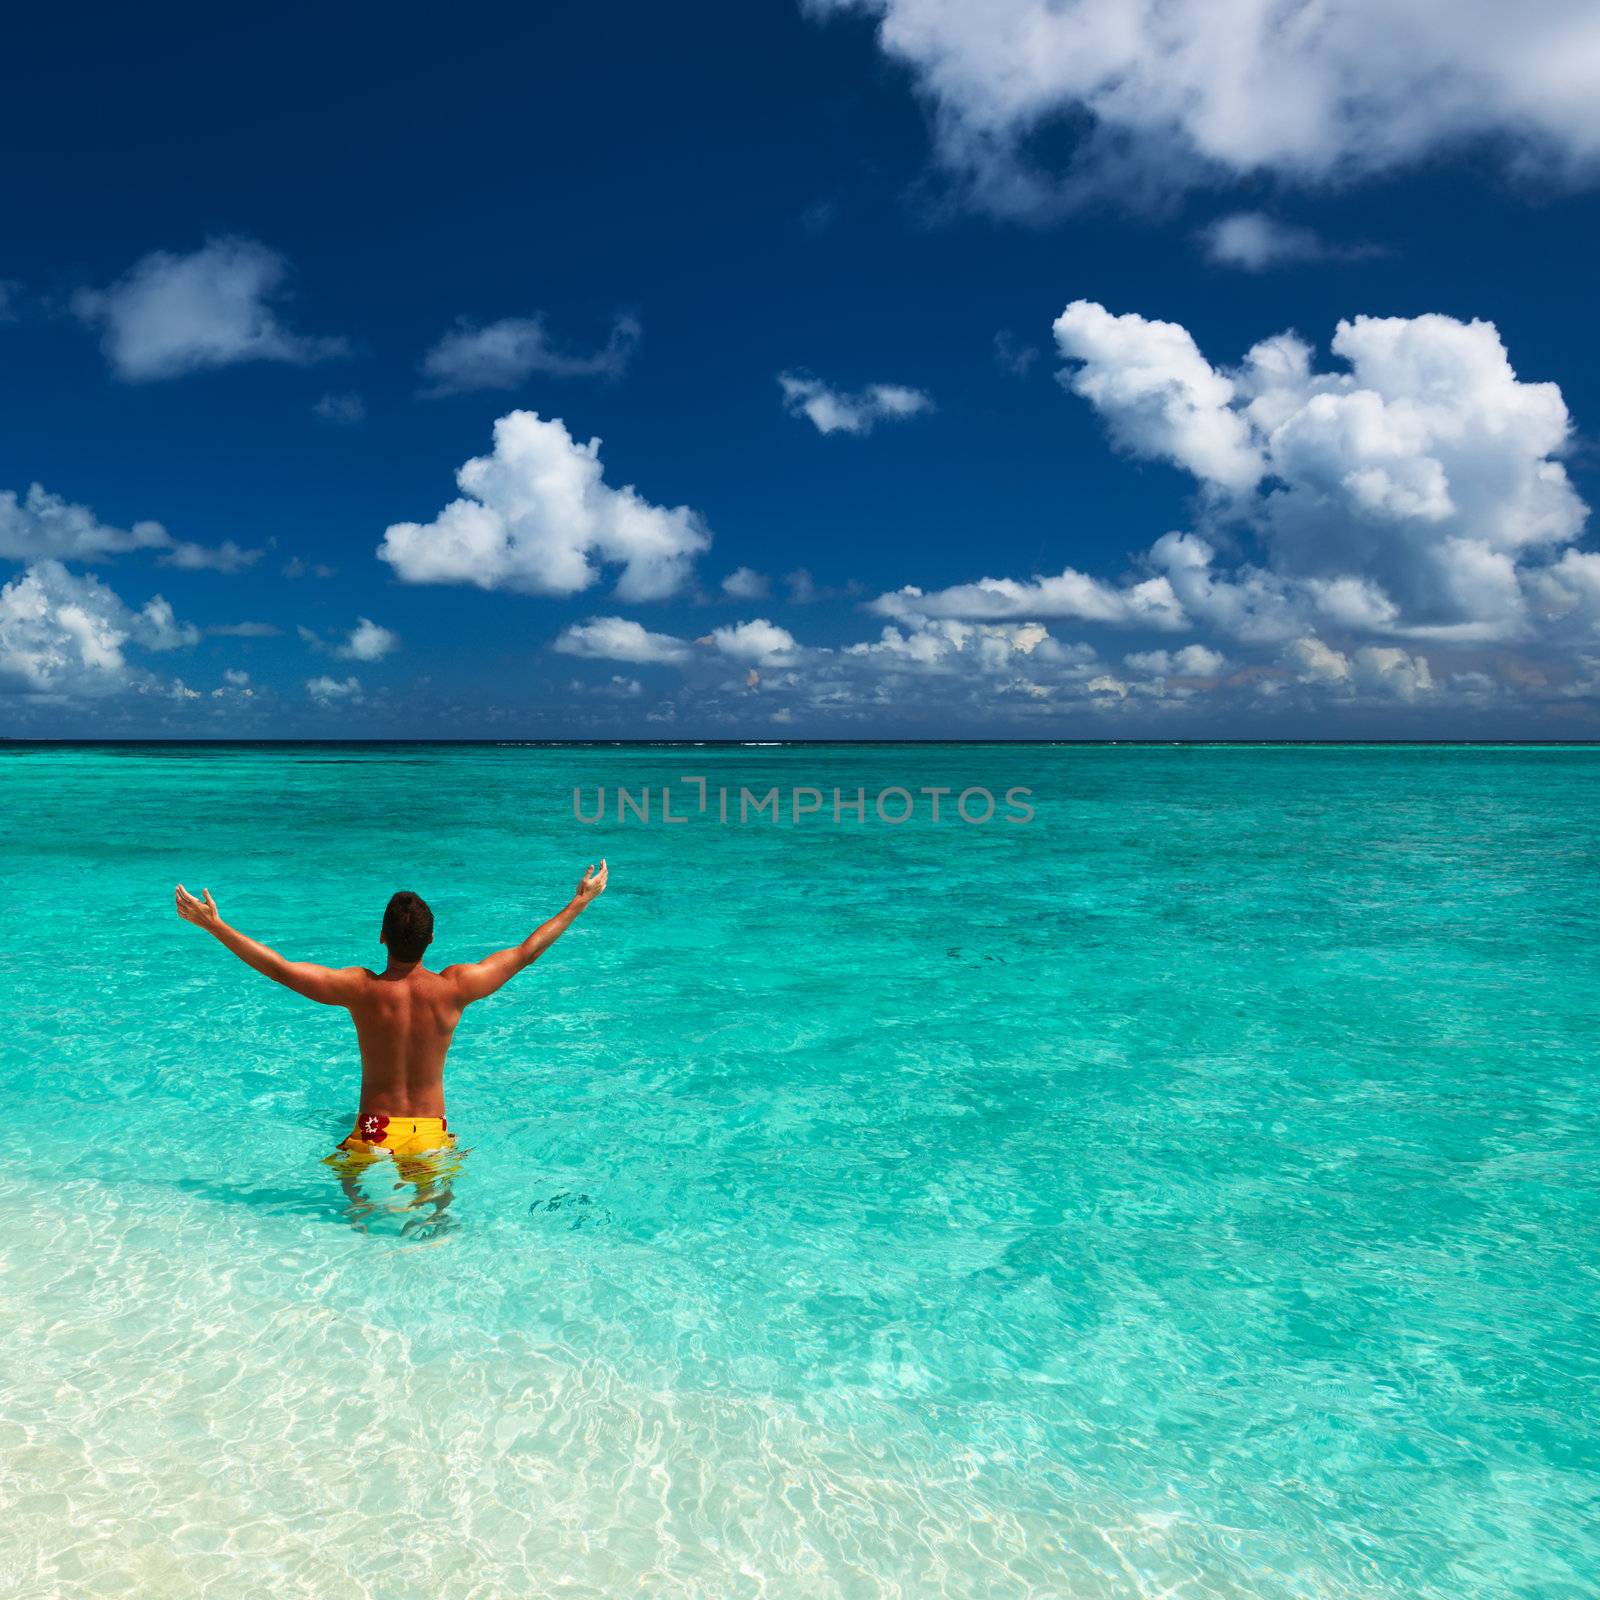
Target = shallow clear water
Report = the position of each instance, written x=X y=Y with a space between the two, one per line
x=1193 y=1192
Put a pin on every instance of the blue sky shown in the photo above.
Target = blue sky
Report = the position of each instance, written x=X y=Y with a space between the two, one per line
x=925 y=353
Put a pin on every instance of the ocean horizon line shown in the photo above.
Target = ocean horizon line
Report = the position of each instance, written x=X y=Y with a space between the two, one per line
x=18 y=742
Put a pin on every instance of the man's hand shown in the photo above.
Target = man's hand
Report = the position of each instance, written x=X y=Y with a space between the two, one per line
x=592 y=885
x=202 y=913
x=325 y=985
x=476 y=980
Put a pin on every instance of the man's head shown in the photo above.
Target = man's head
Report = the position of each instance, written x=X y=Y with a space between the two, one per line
x=407 y=926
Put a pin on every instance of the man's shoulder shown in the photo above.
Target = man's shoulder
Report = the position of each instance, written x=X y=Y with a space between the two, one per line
x=429 y=979
x=446 y=982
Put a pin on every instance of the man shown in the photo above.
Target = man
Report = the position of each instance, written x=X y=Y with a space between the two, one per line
x=405 y=1016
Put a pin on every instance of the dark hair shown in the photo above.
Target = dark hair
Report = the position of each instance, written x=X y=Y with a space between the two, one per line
x=407 y=926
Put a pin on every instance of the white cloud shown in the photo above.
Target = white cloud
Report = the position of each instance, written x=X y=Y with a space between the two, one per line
x=505 y=354
x=939 y=642
x=1158 y=394
x=1378 y=670
x=56 y=630
x=171 y=314
x=1150 y=603
x=1413 y=492
x=342 y=410
x=944 y=665
x=1383 y=669
x=1192 y=661
x=1376 y=437
x=298 y=567
x=939 y=665
x=834 y=411
x=225 y=557
x=1311 y=661
x=744 y=583
x=236 y=677
x=1191 y=91
x=1429 y=469
x=620 y=639
x=537 y=516
x=992 y=673
x=244 y=630
x=367 y=642
x=1399 y=495
x=43 y=526
x=64 y=633
x=758 y=640
x=325 y=690
x=1249 y=604
x=155 y=627
x=1253 y=241
x=1567 y=592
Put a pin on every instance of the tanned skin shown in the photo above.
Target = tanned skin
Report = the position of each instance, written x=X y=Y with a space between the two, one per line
x=405 y=1016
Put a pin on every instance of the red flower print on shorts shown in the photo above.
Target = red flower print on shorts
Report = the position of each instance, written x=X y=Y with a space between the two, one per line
x=372 y=1127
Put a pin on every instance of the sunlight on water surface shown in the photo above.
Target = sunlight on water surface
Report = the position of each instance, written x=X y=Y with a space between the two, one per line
x=1192 y=1192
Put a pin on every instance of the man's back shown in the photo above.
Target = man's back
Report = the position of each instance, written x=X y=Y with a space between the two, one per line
x=405 y=1016
x=404 y=1025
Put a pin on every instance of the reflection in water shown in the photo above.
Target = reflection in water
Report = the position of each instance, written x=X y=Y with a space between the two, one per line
x=415 y=1189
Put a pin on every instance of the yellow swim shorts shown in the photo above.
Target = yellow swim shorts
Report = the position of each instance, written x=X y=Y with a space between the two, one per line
x=375 y=1133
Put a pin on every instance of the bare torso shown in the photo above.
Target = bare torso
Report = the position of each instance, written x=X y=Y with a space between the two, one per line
x=405 y=1020
x=405 y=1016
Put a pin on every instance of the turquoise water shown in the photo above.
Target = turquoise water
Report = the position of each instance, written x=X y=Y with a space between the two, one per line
x=1192 y=1192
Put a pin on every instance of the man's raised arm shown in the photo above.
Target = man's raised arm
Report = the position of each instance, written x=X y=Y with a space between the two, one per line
x=475 y=979
x=326 y=985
